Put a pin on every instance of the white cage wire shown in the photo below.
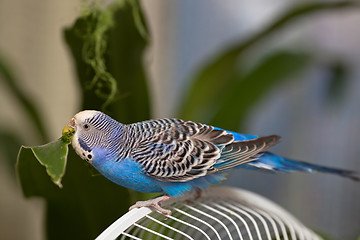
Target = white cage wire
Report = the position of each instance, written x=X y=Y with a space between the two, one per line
x=220 y=213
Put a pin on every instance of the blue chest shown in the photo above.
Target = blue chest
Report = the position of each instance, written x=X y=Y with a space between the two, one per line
x=128 y=173
x=125 y=172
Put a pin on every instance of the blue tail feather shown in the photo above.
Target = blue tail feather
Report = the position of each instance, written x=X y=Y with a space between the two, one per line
x=272 y=162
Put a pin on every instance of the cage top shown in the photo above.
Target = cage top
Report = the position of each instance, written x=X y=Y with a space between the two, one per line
x=220 y=213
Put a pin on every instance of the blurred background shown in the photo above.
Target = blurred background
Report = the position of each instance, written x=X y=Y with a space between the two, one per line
x=316 y=109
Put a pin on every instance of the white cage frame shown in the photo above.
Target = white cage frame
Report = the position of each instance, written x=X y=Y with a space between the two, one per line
x=220 y=213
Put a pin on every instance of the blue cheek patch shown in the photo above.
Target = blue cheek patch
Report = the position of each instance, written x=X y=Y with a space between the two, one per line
x=83 y=145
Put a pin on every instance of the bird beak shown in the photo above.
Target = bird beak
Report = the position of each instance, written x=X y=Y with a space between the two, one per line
x=69 y=129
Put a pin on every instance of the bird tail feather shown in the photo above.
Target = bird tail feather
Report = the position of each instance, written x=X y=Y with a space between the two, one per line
x=270 y=161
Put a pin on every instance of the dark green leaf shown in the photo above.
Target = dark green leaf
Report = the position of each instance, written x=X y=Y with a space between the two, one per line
x=33 y=177
x=210 y=83
x=86 y=205
x=249 y=89
x=113 y=76
x=107 y=48
x=209 y=86
x=124 y=59
x=52 y=156
x=9 y=146
x=139 y=19
x=83 y=208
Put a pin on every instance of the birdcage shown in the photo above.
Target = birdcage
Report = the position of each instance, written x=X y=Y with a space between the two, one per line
x=220 y=213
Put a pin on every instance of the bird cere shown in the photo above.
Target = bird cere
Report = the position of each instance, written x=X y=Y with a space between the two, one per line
x=173 y=156
x=68 y=132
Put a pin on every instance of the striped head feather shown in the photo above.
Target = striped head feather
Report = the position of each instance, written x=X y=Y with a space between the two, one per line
x=93 y=129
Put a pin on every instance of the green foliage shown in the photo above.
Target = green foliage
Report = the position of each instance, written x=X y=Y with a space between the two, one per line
x=10 y=144
x=109 y=60
x=33 y=179
x=107 y=48
x=52 y=156
x=243 y=93
x=107 y=45
x=221 y=74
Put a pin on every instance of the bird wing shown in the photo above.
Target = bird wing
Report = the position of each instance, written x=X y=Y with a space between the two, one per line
x=185 y=150
x=240 y=152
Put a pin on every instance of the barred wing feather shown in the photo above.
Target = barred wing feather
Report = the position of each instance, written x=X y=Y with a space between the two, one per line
x=241 y=152
x=184 y=150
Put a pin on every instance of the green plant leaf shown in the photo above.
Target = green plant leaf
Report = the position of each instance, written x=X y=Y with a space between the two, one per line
x=209 y=86
x=52 y=156
x=33 y=177
x=124 y=59
x=109 y=61
x=139 y=19
x=211 y=82
x=85 y=205
x=247 y=90
x=9 y=147
x=107 y=48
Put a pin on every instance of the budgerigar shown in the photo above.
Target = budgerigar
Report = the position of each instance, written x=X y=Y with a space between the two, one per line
x=173 y=156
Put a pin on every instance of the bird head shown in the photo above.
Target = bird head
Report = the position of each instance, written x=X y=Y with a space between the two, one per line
x=84 y=132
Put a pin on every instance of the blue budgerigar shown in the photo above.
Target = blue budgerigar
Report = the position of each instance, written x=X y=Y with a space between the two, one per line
x=173 y=156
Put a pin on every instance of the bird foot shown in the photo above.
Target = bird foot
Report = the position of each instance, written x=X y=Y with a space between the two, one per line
x=155 y=203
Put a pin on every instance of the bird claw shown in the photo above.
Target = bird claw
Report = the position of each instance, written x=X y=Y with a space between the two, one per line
x=155 y=203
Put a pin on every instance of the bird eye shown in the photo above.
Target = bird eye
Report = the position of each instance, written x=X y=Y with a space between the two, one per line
x=86 y=126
